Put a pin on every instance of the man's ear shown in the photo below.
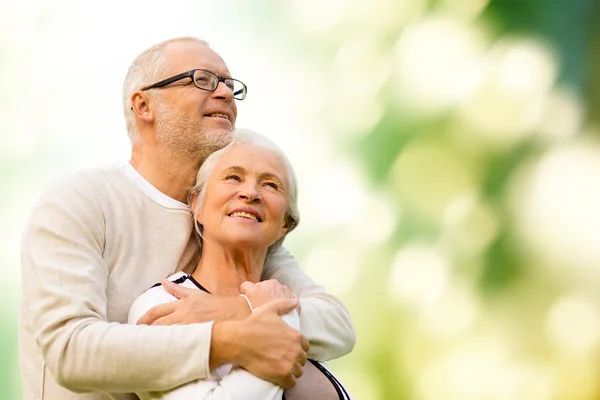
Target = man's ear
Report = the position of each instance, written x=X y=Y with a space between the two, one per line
x=140 y=105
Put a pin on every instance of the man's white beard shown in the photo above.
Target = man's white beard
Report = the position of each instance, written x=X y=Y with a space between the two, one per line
x=185 y=137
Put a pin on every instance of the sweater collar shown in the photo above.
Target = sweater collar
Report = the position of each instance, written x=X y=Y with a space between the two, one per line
x=150 y=191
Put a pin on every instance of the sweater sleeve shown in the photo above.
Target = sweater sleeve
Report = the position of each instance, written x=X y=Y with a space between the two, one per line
x=235 y=384
x=324 y=320
x=65 y=281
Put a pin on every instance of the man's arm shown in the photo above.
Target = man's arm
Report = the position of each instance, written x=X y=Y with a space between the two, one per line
x=64 y=290
x=261 y=342
x=238 y=383
x=64 y=286
x=324 y=319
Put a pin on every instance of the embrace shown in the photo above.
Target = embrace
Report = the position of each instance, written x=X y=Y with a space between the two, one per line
x=202 y=204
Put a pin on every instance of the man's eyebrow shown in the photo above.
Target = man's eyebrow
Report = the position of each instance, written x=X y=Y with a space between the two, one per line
x=217 y=72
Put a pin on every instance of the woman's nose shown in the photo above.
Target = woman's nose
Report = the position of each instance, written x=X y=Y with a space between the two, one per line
x=248 y=192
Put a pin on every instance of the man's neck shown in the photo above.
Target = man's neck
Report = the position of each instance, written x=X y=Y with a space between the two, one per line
x=167 y=174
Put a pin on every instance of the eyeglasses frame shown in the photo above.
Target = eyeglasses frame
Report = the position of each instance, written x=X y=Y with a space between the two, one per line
x=190 y=74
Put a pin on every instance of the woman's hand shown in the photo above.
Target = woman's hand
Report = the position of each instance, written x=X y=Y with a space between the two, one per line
x=266 y=291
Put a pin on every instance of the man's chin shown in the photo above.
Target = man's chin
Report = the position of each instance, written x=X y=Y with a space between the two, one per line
x=219 y=136
x=218 y=123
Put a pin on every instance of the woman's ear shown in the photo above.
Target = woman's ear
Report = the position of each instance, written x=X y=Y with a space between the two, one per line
x=285 y=227
x=197 y=209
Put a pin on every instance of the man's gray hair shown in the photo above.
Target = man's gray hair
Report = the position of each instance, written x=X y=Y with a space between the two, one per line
x=247 y=137
x=146 y=69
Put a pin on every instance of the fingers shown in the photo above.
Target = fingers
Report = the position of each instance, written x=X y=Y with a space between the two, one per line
x=272 y=286
x=291 y=295
x=291 y=378
x=170 y=319
x=263 y=292
x=305 y=346
x=160 y=311
x=269 y=283
x=282 y=347
x=288 y=382
x=279 y=306
x=247 y=288
x=178 y=291
x=297 y=370
x=156 y=312
x=287 y=292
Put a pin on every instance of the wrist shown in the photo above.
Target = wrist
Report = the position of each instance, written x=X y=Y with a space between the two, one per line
x=247 y=302
x=223 y=345
x=243 y=307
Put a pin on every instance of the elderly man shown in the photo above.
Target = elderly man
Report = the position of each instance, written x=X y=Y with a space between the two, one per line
x=98 y=238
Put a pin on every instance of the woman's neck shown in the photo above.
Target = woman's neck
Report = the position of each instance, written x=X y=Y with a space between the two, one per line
x=221 y=271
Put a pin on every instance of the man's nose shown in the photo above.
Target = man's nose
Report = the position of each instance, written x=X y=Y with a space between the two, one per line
x=223 y=92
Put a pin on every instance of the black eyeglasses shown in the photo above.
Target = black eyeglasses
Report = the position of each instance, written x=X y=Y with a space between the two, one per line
x=206 y=80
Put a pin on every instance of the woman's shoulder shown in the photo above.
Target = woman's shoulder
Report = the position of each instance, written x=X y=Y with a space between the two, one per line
x=152 y=297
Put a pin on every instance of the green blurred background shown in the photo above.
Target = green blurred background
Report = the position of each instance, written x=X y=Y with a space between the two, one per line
x=448 y=153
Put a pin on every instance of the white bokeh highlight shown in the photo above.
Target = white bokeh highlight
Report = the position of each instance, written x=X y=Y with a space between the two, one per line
x=419 y=276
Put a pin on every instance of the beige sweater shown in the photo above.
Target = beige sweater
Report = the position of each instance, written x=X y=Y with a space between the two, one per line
x=95 y=241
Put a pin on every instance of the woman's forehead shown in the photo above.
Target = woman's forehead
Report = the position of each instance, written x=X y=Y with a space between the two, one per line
x=253 y=158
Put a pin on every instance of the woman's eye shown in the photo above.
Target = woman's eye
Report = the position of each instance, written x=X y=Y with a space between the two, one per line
x=272 y=184
x=233 y=177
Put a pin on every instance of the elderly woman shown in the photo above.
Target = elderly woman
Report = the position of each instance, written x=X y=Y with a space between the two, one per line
x=244 y=204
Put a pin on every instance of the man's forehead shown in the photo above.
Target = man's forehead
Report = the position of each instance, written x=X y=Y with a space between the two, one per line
x=188 y=55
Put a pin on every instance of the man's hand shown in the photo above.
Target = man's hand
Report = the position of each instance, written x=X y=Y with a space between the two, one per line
x=263 y=344
x=266 y=291
x=194 y=306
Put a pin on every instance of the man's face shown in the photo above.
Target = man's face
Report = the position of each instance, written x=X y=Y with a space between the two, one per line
x=190 y=120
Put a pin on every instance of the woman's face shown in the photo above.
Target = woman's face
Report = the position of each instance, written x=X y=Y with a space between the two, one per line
x=245 y=199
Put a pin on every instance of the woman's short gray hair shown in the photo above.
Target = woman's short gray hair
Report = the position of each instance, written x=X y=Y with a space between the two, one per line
x=147 y=68
x=247 y=137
